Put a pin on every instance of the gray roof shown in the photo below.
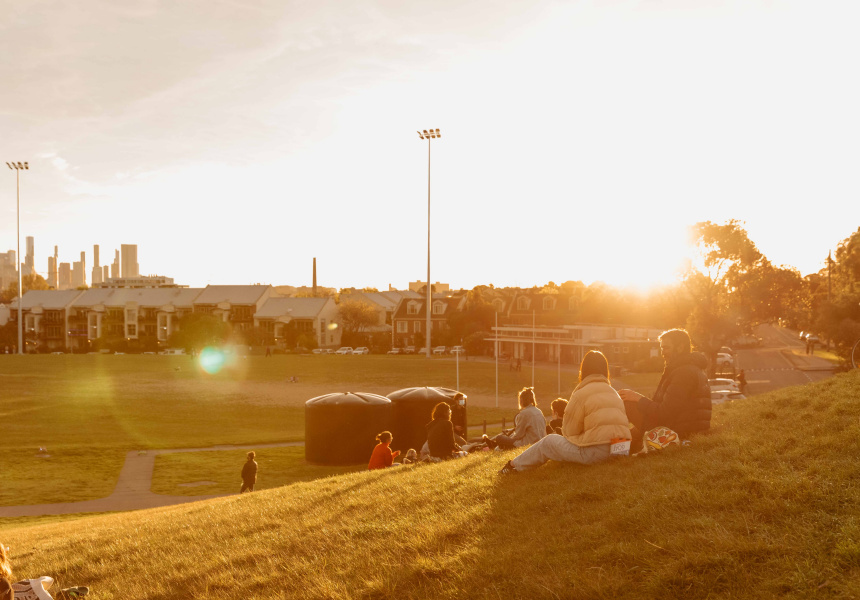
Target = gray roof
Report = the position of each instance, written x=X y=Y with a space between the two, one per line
x=296 y=308
x=234 y=294
x=142 y=296
x=48 y=299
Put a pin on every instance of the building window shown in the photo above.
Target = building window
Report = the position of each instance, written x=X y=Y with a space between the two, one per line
x=573 y=304
x=131 y=315
x=522 y=303
x=498 y=305
x=626 y=350
x=548 y=303
x=416 y=327
x=402 y=327
x=131 y=330
x=54 y=331
x=438 y=308
x=412 y=308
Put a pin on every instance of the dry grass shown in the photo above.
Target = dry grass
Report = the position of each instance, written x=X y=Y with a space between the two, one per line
x=766 y=506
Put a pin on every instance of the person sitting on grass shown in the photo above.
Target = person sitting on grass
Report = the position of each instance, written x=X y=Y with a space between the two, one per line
x=411 y=457
x=31 y=588
x=593 y=420
x=529 y=424
x=249 y=473
x=440 y=434
x=554 y=426
x=382 y=456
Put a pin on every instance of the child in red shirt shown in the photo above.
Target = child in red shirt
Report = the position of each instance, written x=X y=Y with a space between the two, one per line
x=382 y=456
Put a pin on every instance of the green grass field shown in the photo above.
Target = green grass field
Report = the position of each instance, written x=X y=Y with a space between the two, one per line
x=765 y=506
x=89 y=410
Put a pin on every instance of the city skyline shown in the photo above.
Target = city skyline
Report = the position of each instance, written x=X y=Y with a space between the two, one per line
x=236 y=143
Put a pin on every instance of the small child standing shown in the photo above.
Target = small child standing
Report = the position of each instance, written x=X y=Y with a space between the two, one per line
x=382 y=456
x=249 y=473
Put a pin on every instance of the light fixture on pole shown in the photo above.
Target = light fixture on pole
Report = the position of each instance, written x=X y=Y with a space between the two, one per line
x=432 y=134
x=19 y=166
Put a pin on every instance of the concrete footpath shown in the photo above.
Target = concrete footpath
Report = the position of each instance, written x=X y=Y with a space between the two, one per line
x=132 y=491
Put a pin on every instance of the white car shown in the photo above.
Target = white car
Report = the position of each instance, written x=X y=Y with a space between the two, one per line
x=318 y=351
x=440 y=350
x=458 y=350
x=723 y=384
x=725 y=359
x=344 y=350
x=720 y=396
x=361 y=350
x=395 y=351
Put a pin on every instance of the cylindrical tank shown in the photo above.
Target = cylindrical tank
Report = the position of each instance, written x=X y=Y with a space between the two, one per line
x=341 y=428
x=411 y=410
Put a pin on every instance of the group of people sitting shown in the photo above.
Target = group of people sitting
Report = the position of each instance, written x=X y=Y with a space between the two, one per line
x=597 y=421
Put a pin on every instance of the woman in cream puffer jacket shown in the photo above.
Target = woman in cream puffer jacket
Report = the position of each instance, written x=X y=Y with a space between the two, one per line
x=593 y=420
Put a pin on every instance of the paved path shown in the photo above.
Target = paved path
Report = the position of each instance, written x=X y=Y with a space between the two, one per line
x=132 y=491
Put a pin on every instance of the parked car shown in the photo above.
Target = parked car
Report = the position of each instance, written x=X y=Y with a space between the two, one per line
x=328 y=351
x=723 y=384
x=361 y=350
x=440 y=350
x=726 y=350
x=409 y=350
x=725 y=359
x=395 y=351
x=318 y=351
x=720 y=396
x=458 y=350
x=802 y=335
x=344 y=350
x=811 y=338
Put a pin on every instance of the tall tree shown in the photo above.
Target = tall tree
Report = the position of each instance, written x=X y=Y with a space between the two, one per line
x=28 y=282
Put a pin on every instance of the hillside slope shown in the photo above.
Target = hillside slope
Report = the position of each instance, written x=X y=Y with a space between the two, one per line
x=766 y=506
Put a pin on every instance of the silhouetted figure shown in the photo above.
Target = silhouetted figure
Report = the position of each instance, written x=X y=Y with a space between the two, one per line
x=440 y=434
x=249 y=474
x=742 y=381
x=268 y=351
x=519 y=364
x=558 y=407
x=682 y=401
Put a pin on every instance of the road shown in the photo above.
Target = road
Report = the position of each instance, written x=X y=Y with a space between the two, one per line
x=774 y=364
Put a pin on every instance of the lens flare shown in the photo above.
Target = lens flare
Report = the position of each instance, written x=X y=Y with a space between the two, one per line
x=212 y=360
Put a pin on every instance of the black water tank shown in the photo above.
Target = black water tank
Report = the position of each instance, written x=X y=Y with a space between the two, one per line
x=340 y=429
x=411 y=410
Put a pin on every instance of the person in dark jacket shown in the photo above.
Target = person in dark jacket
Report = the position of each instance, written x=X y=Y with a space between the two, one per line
x=249 y=474
x=682 y=401
x=440 y=433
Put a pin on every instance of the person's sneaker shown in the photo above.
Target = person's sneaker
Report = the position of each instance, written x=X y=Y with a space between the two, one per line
x=491 y=444
x=508 y=469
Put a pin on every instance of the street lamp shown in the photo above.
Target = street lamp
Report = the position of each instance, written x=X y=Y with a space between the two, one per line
x=18 y=168
x=432 y=134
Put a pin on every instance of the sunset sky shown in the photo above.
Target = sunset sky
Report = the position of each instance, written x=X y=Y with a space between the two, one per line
x=234 y=141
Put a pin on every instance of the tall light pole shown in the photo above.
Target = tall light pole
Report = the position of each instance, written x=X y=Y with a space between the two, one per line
x=18 y=168
x=432 y=134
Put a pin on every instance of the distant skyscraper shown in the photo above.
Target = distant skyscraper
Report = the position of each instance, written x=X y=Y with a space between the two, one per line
x=129 y=261
x=30 y=258
x=97 y=270
x=77 y=274
x=105 y=273
x=64 y=277
x=52 y=269
x=52 y=272
x=114 y=268
x=83 y=268
x=8 y=269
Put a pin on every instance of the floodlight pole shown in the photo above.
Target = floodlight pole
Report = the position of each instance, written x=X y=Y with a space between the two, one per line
x=428 y=135
x=18 y=167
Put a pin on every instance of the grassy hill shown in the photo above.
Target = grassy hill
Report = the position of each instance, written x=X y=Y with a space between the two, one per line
x=766 y=506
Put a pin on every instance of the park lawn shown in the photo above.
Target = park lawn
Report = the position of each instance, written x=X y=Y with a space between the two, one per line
x=89 y=410
x=8 y=524
x=821 y=353
x=762 y=507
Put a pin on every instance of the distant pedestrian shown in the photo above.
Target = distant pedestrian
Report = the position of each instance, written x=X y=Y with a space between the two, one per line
x=249 y=473
x=268 y=351
x=519 y=364
x=742 y=381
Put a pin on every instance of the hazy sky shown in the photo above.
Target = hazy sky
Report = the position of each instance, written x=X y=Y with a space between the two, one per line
x=234 y=141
